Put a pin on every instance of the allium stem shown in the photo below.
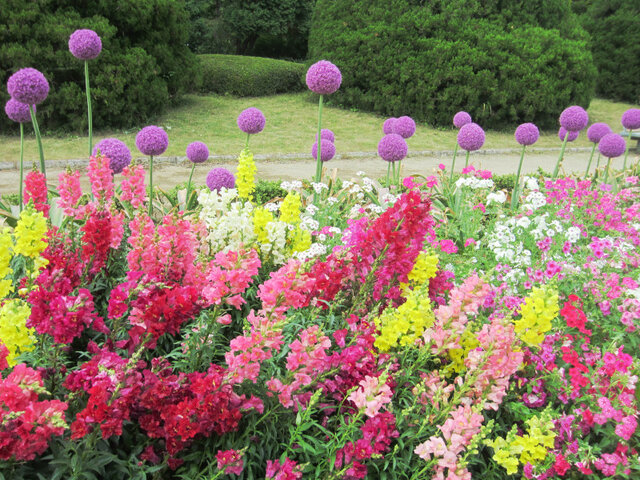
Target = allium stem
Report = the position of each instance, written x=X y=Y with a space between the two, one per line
x=590 y=158
x=388 y=174
x=246 y=144
x=453 y=164
x=89 y=113
x=626 y=153
x=466 y=160
x=564 y=144
x=150 y=185
x=516 y=193
x=193 y=167
x=606 y=170
x=21 y=165
x=36 y=129
x=595 y=175
x=319 y=151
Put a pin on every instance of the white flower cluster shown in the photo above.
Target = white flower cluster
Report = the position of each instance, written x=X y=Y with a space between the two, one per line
x=294 y=185
x=534 y=200
x=497 y=197
x=474 y=183
x=315 y=250
x=573 y=234
x=276 y=247
x=229 y=222
x=504 y=244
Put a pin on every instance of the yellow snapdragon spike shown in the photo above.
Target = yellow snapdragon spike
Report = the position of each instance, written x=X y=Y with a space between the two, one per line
x=290 y=208
x=300 y=240
x=245 y=177
x=13 y=329
x=261 y=218
x=29 y=233
x=536 y=314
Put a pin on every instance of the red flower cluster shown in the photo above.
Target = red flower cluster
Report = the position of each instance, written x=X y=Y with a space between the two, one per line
x=573 y=314
x=288 y=470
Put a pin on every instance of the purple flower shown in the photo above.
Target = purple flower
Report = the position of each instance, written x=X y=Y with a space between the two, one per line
x=28 y=86
x=326 y=134
x=85 y=44
x=612 y=145
x=631 y=119
x=220 y=177
x=116 y=151
x=460 y=119
x=152 y=140
x=574 y=118
x=471 y=137
x=562 y=132
x=323 y=78
x=197 y=152
x=387 y=126
x=392 y=148
x=597 y=131
x=251 y=121
x=328 y=150
x=18 y=111
x=404 y=126
x=527 y=134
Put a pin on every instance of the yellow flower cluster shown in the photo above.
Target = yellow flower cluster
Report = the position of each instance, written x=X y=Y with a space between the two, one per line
x=424 y=269
x=261 y=217
x=536 y=314
x=6 y=247
x=13 y=329
x=531 y=447
x=290 y=208
x=29 y=233
x=468 y=342
x=246 y=175
x=300 y=240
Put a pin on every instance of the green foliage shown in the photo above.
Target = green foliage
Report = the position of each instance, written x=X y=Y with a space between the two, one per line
x=249 y=76
x=144 y=63
x=614 y=26
x=504 y=62
x=267 y=190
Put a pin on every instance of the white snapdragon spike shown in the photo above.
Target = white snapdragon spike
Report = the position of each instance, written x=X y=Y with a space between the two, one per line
x=276 y=247
x=230 y=223
x=496 y=197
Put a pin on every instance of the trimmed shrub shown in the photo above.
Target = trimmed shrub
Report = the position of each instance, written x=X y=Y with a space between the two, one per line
x=249 y=76
x=505 y=62
x=144 y=64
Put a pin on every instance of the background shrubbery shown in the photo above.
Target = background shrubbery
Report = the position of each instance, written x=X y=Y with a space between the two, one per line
x=503 y=61
x=144 y=64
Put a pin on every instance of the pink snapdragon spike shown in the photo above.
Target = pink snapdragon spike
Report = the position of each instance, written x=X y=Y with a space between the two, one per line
x=133 y=187
x=70 y=192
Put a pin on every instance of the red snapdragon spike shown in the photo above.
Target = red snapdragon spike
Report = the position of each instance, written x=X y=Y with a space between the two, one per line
x=35 y=189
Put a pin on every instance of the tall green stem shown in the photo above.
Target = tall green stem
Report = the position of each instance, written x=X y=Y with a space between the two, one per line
x=516 y=194
x=466 y=160
x=21 y=165
x=590 y=158
x=597 y=166
x=186 y=202
x=36 y=129
x=388 y=174
x=453 y=164
x=246 y=143
x=557 y=169
x=626 y=153
x=89 y=113
x=150 y=185
x=318 y=176
x=606 y=171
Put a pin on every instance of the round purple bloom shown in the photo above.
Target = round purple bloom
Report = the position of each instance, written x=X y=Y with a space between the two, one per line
x=392 y=148
x=85 y=44
x=326 y=134
x=152 y=140
x=328 y=150
x=460 y=119
x=404 y=126
x=387 y=126
x=527 y=134
x=197 y=152
x=631 y=119
x=562 y=132
x=471 y=137
x=574 y=118
x=18 y=111
x=220 y=177
x=612 y=145
x=597 y=131
x=251 y=121
x=323 y=77
x=116 y=151
x=28 y=86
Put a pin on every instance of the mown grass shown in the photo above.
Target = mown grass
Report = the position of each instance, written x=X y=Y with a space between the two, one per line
x=291 y=126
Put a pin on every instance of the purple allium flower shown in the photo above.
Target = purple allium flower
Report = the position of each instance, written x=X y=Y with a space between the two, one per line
x=574 y=118
x=116 y=151
x=28 y=86
x=18 y=111
x=471 y=137
x=85 y=44
x=328 y=150
x=323 y=77
x=404 y=126
x=152 y=140
x=326 y=134
x=597 y=131
x=197 y=152
x=392 y=148
x=251 y=121
x=612 y=145
x=631 y=119
x=220 y=177
x=387 y=126
x=527 y=134
x=562 y=132
x=460 y=119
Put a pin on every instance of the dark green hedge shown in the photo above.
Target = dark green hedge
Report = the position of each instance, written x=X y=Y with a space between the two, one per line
x=249 y=76
x=503 y=61
x=144 y=63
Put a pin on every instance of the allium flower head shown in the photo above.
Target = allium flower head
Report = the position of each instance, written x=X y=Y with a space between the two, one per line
x=404 y=126
x=220 y=177
x=328 y=150
x=323 y=78
x=527 y=134
x=326 y=134
x=392 y=148
x=562 y=132
x=597 y=131
x=116 y=151
x=631 y=119
x=574 y=118
x=471 y=137
x=18 y=111
x=85 y=44
x=612 y=145
x=197 y=152
x=251 y=121
x=460 y=119
x=152 y=140
x=28 y=86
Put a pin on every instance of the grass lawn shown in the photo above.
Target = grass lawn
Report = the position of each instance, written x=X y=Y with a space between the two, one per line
x=291 y=126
